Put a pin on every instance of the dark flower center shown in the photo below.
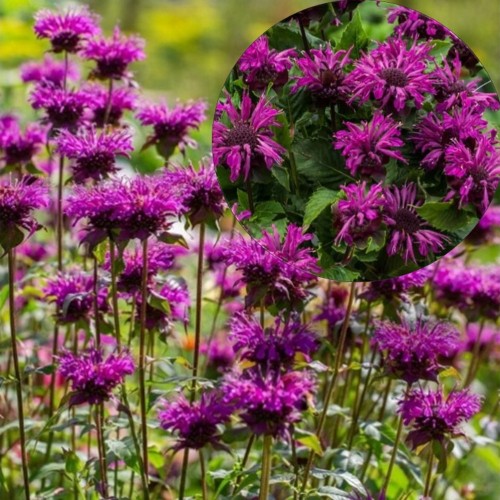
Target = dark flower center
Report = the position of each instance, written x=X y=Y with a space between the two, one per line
x=407 y=221
x=18 y=153
x=97 y=162
x=199 y=434
x=457 y=87
x=329 y=78
x=65 y=115
x=394 y=77
x=171 y=133
x=111 y=68
x=65 y=41
x=113 y=118
x=241 y=134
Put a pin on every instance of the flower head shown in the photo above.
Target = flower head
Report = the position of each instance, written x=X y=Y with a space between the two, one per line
x=263 y=65
x=487 y=228
x=50 y=70
x=369 y=146
x=333 y=307
x=196 y=424
x=113 y=55
x=407 y=230
x=94 y=153
x=324 y=75
x=412 y=350
x=393 y=75
x=66 y=30
x=434 y=416
x=93 y=376
x=171 y=126
x=247 y=142
x=176 y=292
x=413 y=24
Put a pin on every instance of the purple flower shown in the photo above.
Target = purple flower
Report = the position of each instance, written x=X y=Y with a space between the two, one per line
x=94 y=153
x=63 y=108
x=434 y=416
x=73 y=295
x=487 y=228
x=246 y=143
x=113 y=55
x=176 y=292
x=219 y=354
x=269 y=404
x=412 y=351
x=406 y=228
x=273 y=347
x=323 y=75
x=66 y=30
x=197 y=191
x=196 y=424
x=473 y=175
x=359 y=215
x=50 y=70
x=263 y=65
x=274 y=270
x=415 y=25
x=19 y=147
x=393 y=75
x=369 y=146
x=333 y=307
x=18 y=200
x=487 y=336
x=93 y=377
x=434 y=133
x=171 y=126
x=103 y=108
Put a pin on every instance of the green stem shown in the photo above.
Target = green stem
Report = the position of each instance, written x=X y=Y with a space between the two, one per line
x=114 y=293
x=305 y=42
x=185 y=463
x=17 y=372
x=266 y=467
x=295 y=176
x=393 y=455
x=108 y=102
x=96 y=304
x=246 y=456
x=428 y=477
x=251 y=206
x=204 y=490
x=99 y=409
x=475 y=359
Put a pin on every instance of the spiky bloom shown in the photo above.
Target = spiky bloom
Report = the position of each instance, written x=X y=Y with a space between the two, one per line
x=50 y=70
x=358 y=216
x=487 y=336
x=453 y=91
x=413 y=24
x=411 y=351
x=462 y=52
x=195 y=424
x=333 y=307
x=73 y=295
x=94 y=152
x=63 y=108
x=269 y=404
x=473 y=176
x=487 y=228
x=18 y=147
x=219 y=354
x=324 y=75
x=407 y=230
x=246 y=143
x=273 y=347
x=93 y=376
x=176 y=292
x=274 y=270
x=393 y=75
x=18 y=200
x=434 y=416
x=66 y=30
x=434 y=133
x=109 y=110
x=197 y=191
x=368 y=146
x=263 y=65
x=113 y=55
x=171 y=126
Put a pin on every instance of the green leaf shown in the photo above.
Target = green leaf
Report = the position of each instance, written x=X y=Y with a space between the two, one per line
x=10 y=236
x=4 y=295
x=440 y=453
x=444 y=216
x=354 y=36
x=173 y=239
x=281 y=175
x=440 y=49
x=72 y=462
x=266 y=212
x=310 y=441
x=160 y=303
x=321 y=199
x=339 y=274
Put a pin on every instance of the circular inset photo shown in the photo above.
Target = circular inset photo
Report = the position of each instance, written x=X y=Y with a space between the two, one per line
x=370 y=126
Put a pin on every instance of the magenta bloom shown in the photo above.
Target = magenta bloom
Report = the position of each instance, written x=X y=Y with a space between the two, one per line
x=63 y=109
x=324 y=75
x=359 y=215
x=176 y=292
x=412 y=351
x=369 y=146
x=263 y=65
x=406 y=228
x=392 y=75
x=274 y=347
x=487 y=228
x=434 y=416
x=94 y=153
x=197 y=191
x=333 y=307
x=196 y=424
x=473 y=176
x=247 y=142
x=269 y=404
x=66 y=30
x=50 y=70
x=18 y=200
x=19 y=147
x=413 y=24
x=93 y=376
x=172 y=126
x=113 y=55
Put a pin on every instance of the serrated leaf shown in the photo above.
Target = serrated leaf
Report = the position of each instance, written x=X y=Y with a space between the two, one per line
x=339 y=274
x=281 y=175
x=320 y=199
x=444 y=216
x=354 y=36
